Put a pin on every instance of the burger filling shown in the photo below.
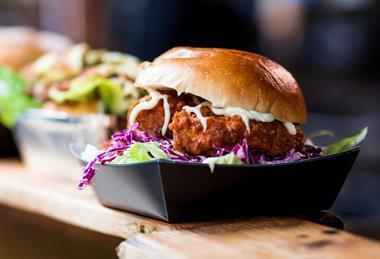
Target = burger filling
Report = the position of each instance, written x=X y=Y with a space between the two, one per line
x=183 y=127
x=271 y=138
x=154 y=112
x=200 y=129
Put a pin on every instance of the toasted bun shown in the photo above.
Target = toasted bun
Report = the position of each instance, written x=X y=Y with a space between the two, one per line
x=22 y=45
x=228 y=78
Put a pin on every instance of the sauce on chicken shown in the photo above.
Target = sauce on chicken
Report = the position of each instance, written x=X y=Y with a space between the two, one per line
x=271 y=138
x=151 y=121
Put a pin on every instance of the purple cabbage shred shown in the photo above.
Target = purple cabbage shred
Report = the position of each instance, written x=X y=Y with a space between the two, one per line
x=124 y=139
x=121 y=141
x=253 y=157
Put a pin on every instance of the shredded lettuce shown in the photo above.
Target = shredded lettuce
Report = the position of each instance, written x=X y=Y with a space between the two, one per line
x=13 y=100
x=109 y=91
x=346 y=143
x=140 y=152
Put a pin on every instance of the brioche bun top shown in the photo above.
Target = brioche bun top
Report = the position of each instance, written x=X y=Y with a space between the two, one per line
x=227 y=77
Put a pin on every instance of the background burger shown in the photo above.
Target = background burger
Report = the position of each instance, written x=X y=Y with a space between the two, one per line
x=22 y=45
x=80 y=80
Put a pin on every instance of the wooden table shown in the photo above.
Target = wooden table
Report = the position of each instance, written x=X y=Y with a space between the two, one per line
x=272 y=237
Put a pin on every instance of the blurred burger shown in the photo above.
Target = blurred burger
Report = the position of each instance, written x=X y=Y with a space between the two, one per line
x=206 y=99
x=80 y=80
x=22 y=45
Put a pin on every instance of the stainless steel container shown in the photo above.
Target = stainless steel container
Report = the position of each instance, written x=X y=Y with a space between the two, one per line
x=43 y=138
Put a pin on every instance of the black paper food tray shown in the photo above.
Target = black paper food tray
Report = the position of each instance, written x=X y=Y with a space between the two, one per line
x=181 y=191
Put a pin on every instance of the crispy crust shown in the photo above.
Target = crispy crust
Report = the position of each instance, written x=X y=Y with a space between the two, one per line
x=270 y=138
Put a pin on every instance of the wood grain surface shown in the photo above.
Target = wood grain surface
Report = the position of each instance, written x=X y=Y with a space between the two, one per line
x=59 y=199
x=257 y=238
x=272 y=237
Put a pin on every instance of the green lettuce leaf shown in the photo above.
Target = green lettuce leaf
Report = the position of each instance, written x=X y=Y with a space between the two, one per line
x=13 y=101
x=346 y=143
x=320 y=133
x=10 y=81
x=108 y=91
x=140 y=152
x=229 y=159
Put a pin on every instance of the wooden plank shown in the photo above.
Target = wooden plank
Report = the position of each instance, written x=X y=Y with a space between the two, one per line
x=62 y=201
x=26 y=235
x=59 y=199
x=273 y=237
x=259 y=238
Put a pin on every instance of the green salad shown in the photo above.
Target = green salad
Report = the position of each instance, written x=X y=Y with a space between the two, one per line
x=13 y=100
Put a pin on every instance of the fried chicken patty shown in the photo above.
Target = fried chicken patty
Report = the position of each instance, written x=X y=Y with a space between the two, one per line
x=271 y=138
x=151 y=121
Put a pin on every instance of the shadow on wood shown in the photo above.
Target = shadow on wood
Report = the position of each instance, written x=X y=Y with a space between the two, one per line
x=29 y=236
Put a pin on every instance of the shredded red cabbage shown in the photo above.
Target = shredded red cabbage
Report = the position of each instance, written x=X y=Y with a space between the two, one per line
x=121 y=141
x=253 y=157
x=124 y=139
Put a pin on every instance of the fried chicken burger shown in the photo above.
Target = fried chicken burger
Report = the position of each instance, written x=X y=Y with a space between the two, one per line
x=209 y=98
x=213 y=106
x=210 y=105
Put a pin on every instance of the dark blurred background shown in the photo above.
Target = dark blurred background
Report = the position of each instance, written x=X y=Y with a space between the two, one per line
x=330 y=46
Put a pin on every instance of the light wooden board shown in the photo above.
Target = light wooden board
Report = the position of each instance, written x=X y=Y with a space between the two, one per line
x=259 y=238
x=62 y=201
x=59 y=199
x=271 y=237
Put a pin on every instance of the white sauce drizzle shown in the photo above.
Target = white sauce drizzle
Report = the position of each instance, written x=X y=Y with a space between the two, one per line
x=167 y=115
x=290 y=127
x=211 y=161
x=155 y=97
x=244 y=115
x=197 y=111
